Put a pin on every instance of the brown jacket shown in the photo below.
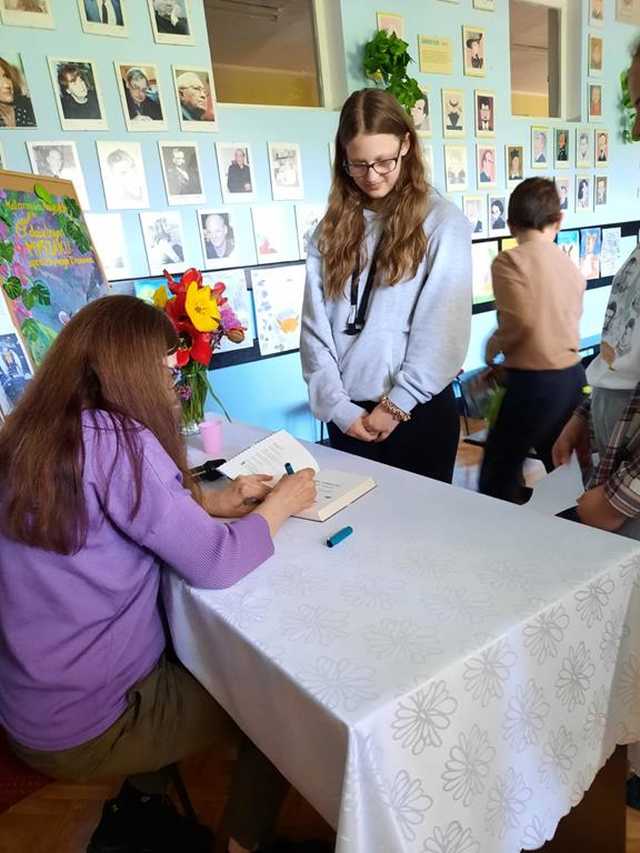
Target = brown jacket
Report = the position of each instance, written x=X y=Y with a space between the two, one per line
x=538 y=292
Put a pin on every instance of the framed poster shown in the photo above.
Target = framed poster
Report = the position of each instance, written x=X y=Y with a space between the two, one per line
x=435 y=55
x=77 y=94
x=456 y=168
x=584 y=193
x=539 y=147
x=561 y=152
x=514 y=164
x=595 y=55
x=602 y=148
x=486 y=163
x=594 y=99
x=474 y=208
x=485 y=114
x=584 y=148
x=453 y=114
x=498 y=211
x=473 y=49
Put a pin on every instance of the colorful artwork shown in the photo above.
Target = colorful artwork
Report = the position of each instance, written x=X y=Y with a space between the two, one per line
x=277 y=297
x=569 y=242
x=590 y=247
x=482 y=256
x=610 y=256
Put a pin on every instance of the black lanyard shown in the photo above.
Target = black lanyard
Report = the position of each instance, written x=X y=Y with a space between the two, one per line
x=358 y=315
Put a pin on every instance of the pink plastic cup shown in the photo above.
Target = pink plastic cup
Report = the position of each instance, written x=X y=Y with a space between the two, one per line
x=211 y=434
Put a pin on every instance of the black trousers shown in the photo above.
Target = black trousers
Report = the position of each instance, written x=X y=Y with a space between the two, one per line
x=535 y=408
x=427 y=444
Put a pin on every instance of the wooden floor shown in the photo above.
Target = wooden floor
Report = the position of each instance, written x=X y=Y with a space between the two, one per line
x=60 y=817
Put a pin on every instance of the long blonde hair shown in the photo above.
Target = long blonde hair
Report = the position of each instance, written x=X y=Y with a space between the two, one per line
x=403 y=242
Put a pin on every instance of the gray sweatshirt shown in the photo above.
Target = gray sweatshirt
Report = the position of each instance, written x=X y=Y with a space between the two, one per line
x=416 y=333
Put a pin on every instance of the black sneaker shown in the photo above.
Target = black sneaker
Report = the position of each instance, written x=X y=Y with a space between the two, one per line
x=633 y=792
x=136 y=823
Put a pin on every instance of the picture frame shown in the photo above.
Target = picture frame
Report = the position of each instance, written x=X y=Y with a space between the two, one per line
x=107 y=233
x=456 y=168
x=474 y=208
x=12 y=16
x=601 y=148
x=485 y=114
x=595 y=55
x=174 y=28
x=435 y=55
x=485 y=5
x=272 y=233
x=12 y=67
x=181 y=171
x=487 y=167
x=421 y=113
x=498 y=209
x=627 y=12
x=540 y=147
x=514 y=164
x=163 y=236
x=561 y=147
x=140 y=95
x=563 y=186
x=584 y=148
x=91 y=18
x=195 y=93
x=595 y=97
x=596 y=13
x=78 y=94
x=584 y=193
x=601 y=191
x=123 y=174
x=453 y=114
x=285 y=168
x=3 y=159
x=390 y=22
x=308 y=217
x=59 y=159
x=220 y=230
x=427 y=161
x=236 y=171
x=473 y=51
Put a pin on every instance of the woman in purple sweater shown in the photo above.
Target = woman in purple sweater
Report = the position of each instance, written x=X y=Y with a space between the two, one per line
x=95 y=497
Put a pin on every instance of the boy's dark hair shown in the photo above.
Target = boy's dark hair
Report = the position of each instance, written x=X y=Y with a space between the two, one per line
x=534 y=203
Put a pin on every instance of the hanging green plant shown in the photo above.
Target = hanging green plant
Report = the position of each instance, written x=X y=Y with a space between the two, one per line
x=627 y=109
x=385 y=60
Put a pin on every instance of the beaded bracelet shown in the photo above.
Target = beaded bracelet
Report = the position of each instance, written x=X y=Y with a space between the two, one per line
x=395 y=411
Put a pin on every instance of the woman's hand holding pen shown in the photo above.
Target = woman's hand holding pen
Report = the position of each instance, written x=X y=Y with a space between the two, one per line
x=239 y=497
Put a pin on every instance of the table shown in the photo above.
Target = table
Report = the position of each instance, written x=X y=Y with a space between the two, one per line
x=447 y=680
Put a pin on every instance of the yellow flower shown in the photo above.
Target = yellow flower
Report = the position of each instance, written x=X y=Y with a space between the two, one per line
x=160 y=297
x=202 y=308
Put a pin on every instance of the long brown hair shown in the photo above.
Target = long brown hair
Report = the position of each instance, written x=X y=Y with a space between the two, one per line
x=403 y=242
x=109 y=357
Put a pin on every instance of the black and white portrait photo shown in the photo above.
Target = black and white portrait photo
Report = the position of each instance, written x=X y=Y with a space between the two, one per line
x=78 y=96
x=16 y=109
x=181 y=170
x=27 y=13
x=107 y=233
x=196 y=98
x=235 y=165
x=285 y=165
x=171 y=21
x=163 y=240
x=104 y=17
x=123 y=175
x=59 y=159
x=15 y=371
x=218 y=234
x=140 y=96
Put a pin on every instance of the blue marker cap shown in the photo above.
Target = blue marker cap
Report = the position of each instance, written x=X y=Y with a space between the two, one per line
x=288 y=467
x=339 y=536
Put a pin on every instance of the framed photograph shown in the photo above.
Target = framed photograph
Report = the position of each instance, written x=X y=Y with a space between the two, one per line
x=59 y=159
x=456 y=170
x=308 y=217
x=602 y=148
x=514 y=164
x=473 y=46
x=563 y=185
x=390 y=23
x=15 y=371
x=27 y=13
x=163 y=240
x=498 y=210
x=453 y=116
x=596 y=55
x=235 y=166
x=196 y=97
x=271 y=224
x=590 y=248
x=219 y=235
x=3 y=161
x=435 y=55
x=140 y=96
x=561 y=151
x=584 y=193
x=627 y=12
x=78 y=95
x=104 y=17
x=181 y=170
x=602 y=190
x=475 y=209
x=485 y=113
x=171 y=21
x=123 y=176
x=13 y=83
x=107 y=233
x=584 y=148
x=285 y=165
x=485 y=5
x=539 y=147
x=421 y=113
x=596 y=13
x=594 y=100
x=486 y=164
x=427 y=160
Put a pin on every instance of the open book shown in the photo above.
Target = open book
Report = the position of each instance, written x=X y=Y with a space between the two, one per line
x=336 y=489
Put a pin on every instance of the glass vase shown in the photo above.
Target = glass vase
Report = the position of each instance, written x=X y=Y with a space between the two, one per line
x=192 y=390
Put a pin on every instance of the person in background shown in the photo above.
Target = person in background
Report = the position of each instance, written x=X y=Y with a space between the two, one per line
x=538 y=293
x=387 y=305
x=90 y=519
x=16 y=109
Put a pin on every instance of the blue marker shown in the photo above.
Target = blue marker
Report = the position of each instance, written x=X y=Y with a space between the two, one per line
x=288 y=467
x=339 y=536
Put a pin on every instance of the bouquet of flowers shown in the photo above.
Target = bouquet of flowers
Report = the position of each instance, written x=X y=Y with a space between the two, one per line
x=202 y=316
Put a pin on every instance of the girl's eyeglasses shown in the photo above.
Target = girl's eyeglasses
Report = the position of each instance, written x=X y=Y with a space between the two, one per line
x=380 y=167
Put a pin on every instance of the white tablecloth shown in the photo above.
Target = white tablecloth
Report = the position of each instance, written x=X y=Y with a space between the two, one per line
x=449 y=679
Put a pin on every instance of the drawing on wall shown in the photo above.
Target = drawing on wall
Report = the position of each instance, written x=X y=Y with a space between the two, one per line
x=602 y=190
x=27 y=13
x=196 y=97
x=163 y=240
x=485 y=113
x=514 y=164
x=235 y=291
x=427 y=162
x=390 y=23
x=308 y=217
x=435 y=54
x=15 y=97
x=596 y=16
x=583 y=193
x=285 y=165
x=475 y=209
x=595 y=55
x=498 y=210
x=235 y=166
x=473 y=44
x=123 y=176
x=610 y=254
x=456 y=168
x=140 y=96
x=486 y=165
x=569 y=242
x=15 y=371
x=453 y=119
x=602 y=148
x=594 y=96
x=421 y=113
x=59 y=159
x=628 y=11
x=109 y=240
x=482 y=256
x=78 y=96
x=277 y=298
x=584 y=148
x=104 y=17
x=590 y=246
x=271 y=224
x=539 y=147
x=181 y=171
x=563 y=185
x=171 y=21
x=561 y=155
x=219 y=236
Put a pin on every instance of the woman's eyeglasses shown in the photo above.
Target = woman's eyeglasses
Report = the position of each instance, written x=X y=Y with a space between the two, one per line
x=380 y=167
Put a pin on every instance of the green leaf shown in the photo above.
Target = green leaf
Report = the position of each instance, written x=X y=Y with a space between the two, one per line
x=5 y=215
x=40 y=293
x=42 y=194
x=6 y=251
x=12 y=287
x=30 y=331
x=28 y=299
x=72 y=207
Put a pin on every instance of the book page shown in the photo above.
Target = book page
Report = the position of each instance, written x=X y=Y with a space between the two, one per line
x=269 y=457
